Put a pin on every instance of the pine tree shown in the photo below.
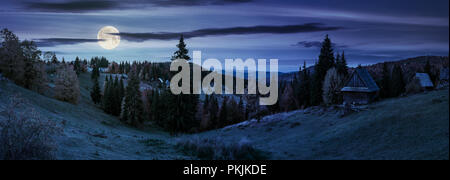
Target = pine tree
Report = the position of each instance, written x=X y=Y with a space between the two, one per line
x=133 y=109
x=429 y=71
x=341 y=65
x=397 y=86
x=95 y=72
x=108 y=95
x=77 y=66
x=121 y=89
x=385 y=82
x=213 y=111
x=182 y=52
x=241 y=109
x=326 y=61
x=223 y=113
x=116 y=99
x=96 y=95
x=305 y=89
x=55 y=59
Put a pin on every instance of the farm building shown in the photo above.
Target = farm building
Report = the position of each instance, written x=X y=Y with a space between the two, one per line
x=360 y=88
x=425 y=81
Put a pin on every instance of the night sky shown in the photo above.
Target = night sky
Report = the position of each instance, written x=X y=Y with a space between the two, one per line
x=289 y=30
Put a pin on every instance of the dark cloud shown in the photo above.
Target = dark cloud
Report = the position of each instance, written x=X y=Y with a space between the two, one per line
x=167 y=3
x=51 y=42
x=315 y=44
x=73 y=6
x=91 y=5
x=288 y=29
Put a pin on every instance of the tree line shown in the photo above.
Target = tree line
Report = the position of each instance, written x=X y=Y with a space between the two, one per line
x=20 y=61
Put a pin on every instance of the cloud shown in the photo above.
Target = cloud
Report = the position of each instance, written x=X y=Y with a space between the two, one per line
x=73 y=6
x=315 y=44
x=92 y=5
x=51 y=42
x=287 y=29
x=168 y=3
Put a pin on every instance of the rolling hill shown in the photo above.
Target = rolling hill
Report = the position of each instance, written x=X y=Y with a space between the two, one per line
x=414 y=127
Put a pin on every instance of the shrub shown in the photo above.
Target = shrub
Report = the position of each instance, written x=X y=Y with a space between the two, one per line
x=217 y=149
x=25 y=135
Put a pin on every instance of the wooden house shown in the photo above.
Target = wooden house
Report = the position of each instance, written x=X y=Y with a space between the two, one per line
x=360 y=88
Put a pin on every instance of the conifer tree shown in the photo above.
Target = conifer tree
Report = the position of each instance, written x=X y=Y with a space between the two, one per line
x=116 y=99
x=133 y=109
x=326 y=61
x=121 y=89
x=223 y=113
x=182 y=52
x=428 y=70
x=77 y=66
x=241 y=109
x=397 y=85
x=342 y=65
x=213 y=110
x=95 y=73
x=305 y=89
x=55 y=59
x=385 y=82
x=96 y=95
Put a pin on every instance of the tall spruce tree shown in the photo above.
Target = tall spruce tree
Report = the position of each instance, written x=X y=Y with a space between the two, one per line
x=96 y=95
x=182 y=52
x=397 y=85
x=326 y=61
x=428 y=69
x=77 y=66
x=107 y=95
x=341 y=65
x=305 y=89
x=213 y=111
x=54 y=59
x=95 y=73
x=223 y=115
x=117 y=100
x=133 y=109
x=182 y=107
x=385 y=82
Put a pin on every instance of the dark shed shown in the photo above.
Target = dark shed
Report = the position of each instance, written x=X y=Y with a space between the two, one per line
x=360 y=88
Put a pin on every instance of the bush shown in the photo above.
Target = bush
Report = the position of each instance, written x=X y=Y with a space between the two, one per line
x=217 y=149
x=24 y=135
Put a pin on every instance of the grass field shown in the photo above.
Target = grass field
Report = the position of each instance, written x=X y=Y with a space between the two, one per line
x=414 y=127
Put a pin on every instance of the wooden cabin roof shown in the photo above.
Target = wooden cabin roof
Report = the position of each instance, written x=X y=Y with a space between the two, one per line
x=360 y=81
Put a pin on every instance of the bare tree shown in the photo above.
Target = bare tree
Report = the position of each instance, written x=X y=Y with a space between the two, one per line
x=332 y=86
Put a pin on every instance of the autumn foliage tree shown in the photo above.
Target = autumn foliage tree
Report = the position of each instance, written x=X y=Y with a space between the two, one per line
x=66 y=84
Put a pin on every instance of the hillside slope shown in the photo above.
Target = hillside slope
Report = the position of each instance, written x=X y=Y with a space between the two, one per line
x=88 y=132
x=414 y=127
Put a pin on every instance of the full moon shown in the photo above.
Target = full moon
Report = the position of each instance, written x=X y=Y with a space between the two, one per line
x=106 y=39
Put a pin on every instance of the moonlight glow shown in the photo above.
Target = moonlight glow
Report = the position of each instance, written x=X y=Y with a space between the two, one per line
x=106 y=40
